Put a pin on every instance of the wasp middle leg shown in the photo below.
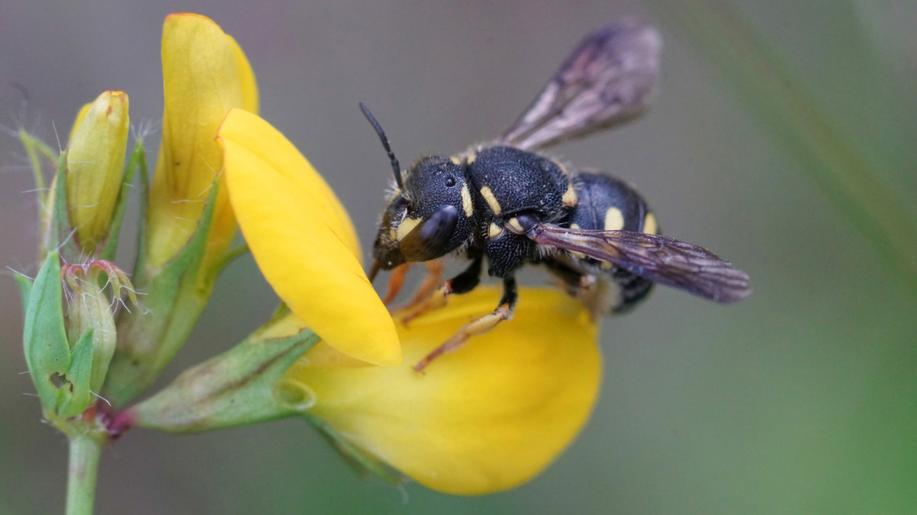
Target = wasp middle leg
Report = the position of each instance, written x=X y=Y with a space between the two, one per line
x=480 y=325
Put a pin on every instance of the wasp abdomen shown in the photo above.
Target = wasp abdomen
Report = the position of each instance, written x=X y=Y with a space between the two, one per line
x=609 y=204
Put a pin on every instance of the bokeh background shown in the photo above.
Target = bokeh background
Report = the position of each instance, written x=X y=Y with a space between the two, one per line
x=783 y=137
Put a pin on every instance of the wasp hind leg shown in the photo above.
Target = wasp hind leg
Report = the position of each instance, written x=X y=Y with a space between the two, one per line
x=593 y=291
x=427 y=299
x=480 y=325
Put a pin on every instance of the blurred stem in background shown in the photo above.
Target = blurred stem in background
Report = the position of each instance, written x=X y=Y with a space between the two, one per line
x=790 y=113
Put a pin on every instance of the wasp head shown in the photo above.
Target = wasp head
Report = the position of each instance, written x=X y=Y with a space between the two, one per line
x=429 y=215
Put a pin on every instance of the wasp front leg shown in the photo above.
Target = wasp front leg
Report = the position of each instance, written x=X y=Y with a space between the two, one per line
x=464 y=282
x=429 y=283
x=480 y=325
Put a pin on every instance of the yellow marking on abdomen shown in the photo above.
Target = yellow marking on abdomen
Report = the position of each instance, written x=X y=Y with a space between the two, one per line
x=490 y=199
x=614 y=220
x=649 y=224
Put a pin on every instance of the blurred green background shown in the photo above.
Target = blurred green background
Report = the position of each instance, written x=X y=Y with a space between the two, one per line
x=783 y=137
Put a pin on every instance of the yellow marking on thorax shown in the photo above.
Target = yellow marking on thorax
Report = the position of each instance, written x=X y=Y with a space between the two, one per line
x=494 y=230
x=490 y=199
x=515 y=226
x=649 y=224
x=471 y=157
x=569 y=198
x=456 y=160
x=467 y=205
x=406 y=226
x=614 y=220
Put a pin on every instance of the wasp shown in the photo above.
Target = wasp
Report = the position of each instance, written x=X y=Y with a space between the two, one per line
x=510 y=205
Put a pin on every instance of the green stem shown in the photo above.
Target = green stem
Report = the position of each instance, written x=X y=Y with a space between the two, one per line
x=81 y=476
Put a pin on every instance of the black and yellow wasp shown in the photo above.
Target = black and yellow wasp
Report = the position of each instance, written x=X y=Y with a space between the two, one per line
x=510 y=205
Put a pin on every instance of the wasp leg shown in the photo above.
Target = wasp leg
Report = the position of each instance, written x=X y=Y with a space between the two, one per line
x=581 y=285
x=477 y=326
x=395 y=282
x=464 y=282
x=430 y=282
x=574 y=281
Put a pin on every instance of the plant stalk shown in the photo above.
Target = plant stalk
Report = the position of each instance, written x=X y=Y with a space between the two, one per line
x=81 y=476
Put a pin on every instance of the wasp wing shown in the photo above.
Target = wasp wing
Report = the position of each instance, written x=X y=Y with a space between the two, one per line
x=607 y=80
x=658 y=258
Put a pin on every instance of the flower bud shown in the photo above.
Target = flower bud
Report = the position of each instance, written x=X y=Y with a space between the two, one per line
x=95 y=166
x=91 y=309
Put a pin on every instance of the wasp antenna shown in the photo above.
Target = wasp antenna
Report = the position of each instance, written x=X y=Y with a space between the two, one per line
x=396 y=167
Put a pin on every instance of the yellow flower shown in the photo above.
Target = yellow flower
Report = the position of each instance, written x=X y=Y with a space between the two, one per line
x=303 y=240
x=95 y=166
x=485 y=418
x=205 y=73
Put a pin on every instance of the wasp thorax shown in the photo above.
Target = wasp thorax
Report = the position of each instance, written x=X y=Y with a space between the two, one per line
x=429 y=217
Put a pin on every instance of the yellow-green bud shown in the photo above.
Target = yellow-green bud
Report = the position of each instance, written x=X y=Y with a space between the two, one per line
x=95 y=166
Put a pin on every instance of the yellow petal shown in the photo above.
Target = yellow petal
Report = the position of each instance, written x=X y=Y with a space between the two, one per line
x=303 y=240
x=77 y=120
x=484 y=418
x=95 y=165
x=205 y=74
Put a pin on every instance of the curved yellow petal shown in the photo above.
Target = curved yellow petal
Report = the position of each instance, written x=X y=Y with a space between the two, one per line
x=95 y=165
x=303 y=240
x=484 y=418
x=77 y=121
x=205 y=74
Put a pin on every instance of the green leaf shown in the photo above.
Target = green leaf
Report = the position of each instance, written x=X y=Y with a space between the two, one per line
x=44 y=337
x=75 y=396
x=234 y=388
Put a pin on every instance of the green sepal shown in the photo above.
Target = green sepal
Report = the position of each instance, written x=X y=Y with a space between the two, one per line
x=44 y=337
x=174 y=299
x=362 y=461
x=75 y=395
x=137 y=160
x=234 y=388
x=61 y=236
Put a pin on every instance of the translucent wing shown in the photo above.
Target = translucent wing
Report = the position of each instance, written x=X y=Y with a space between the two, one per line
x=607 y=80
x=660 y=259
